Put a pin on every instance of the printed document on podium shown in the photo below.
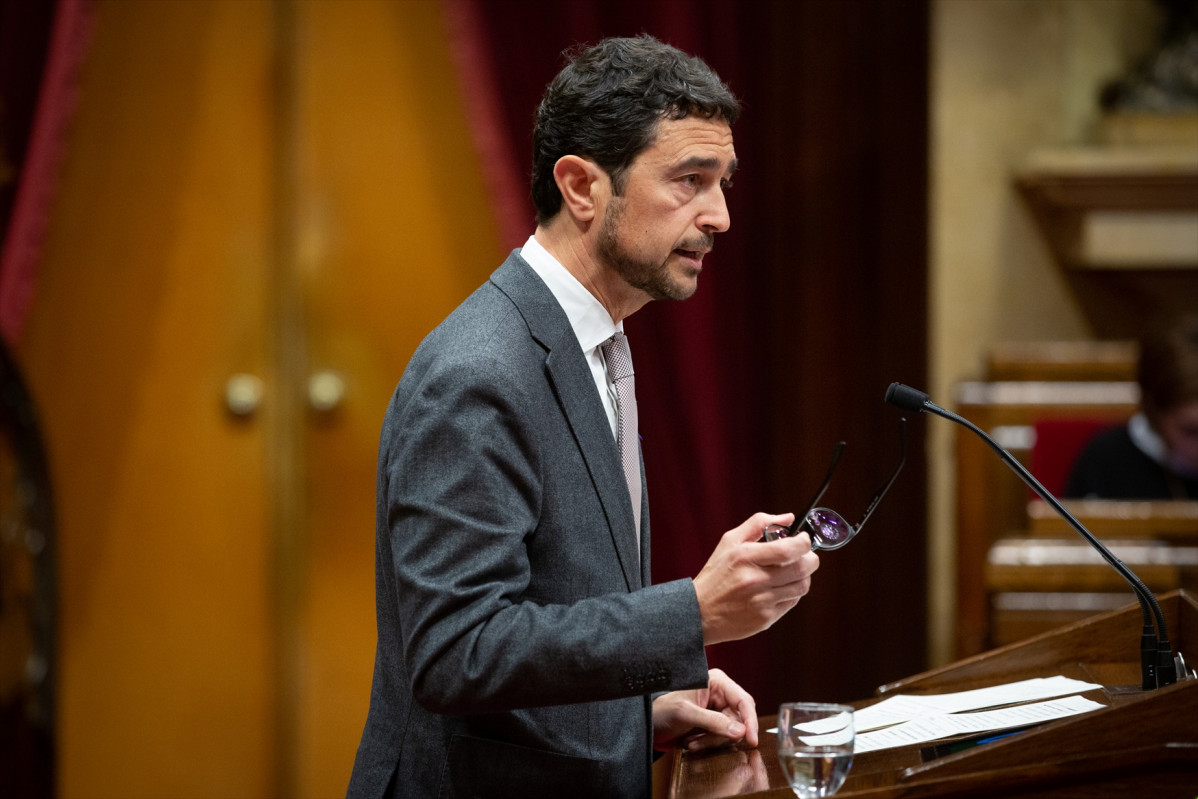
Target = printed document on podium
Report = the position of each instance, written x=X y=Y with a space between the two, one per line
x=909 y=719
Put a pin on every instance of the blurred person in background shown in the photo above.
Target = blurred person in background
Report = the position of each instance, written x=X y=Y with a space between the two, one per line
x=1155 y=455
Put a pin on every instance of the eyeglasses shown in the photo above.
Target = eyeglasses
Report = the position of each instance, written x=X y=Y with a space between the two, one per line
x=827 y=528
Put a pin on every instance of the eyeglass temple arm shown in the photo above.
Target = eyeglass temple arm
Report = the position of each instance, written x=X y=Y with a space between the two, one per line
x=836 y=453
x=873 y=503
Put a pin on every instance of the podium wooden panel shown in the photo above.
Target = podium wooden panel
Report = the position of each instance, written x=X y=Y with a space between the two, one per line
x=1144 y=743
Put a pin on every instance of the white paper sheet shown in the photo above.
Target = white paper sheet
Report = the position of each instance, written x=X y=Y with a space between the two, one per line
x=910 y=719
x=904 y=707
x=943 y=725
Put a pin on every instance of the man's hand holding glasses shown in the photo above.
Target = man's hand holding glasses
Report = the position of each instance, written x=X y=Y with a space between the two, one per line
x=745 y=587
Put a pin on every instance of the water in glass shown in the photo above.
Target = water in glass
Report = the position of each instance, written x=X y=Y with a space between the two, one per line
x=815 y=747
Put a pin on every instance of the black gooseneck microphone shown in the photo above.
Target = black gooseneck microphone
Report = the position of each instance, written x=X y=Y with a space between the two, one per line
x=1158 y=667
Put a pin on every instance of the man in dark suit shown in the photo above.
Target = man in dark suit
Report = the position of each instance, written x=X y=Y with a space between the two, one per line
x=522 y=649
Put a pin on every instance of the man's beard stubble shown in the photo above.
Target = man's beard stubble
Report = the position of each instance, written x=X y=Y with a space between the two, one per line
x=653 y=278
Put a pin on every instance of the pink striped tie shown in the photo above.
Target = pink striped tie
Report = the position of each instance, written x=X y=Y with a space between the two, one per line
x=619 y=374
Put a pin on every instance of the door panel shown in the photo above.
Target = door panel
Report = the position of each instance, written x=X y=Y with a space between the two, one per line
x=394 y=232
x=149 y=297
x=217 y=605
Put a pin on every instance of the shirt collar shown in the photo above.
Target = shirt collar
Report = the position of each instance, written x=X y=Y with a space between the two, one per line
x=591 y=322
x=1146 y=439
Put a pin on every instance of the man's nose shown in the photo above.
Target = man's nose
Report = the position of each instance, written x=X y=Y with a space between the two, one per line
x=715 y=217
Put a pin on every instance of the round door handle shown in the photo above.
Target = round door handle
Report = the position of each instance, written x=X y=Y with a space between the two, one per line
x=326 y=390
x=243 y=394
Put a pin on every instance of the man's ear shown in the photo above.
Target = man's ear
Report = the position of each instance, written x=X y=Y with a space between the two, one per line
x=581 y=183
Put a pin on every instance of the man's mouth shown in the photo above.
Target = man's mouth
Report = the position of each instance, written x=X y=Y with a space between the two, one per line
x=692 y=255
x=695 y=254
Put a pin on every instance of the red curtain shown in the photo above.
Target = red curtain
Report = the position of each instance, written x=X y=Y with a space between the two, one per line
x=44 y=46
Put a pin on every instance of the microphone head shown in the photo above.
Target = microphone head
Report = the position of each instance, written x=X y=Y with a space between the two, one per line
x=907 y=398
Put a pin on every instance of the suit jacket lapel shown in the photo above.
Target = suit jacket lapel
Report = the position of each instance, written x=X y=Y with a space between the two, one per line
x=567 y=371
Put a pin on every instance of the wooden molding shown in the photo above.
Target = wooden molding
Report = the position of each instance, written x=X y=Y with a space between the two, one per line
x=1115 y=207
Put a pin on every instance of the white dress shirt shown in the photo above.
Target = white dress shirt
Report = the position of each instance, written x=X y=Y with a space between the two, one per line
x=591 y=322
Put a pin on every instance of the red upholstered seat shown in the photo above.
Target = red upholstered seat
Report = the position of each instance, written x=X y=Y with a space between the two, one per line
x=1058 y=443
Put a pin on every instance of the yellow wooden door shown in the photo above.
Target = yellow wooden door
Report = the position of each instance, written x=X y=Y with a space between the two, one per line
x=394 y=231
x=273 y=199
x=150 y=294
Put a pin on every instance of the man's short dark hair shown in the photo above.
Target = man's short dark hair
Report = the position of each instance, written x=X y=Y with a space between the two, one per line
x=606 y=103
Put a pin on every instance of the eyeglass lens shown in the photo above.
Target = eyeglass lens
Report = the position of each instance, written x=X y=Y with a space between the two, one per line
x=828 y=530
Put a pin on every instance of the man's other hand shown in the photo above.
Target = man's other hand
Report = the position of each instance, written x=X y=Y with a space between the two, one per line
x=748 y=584
x=723 y=713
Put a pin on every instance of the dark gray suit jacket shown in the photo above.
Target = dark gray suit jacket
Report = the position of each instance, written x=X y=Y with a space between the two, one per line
x=518 y=635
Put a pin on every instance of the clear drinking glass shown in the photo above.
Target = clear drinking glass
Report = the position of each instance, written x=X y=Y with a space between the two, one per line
x=815 y=747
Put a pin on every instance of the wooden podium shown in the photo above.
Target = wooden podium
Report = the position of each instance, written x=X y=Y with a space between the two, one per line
x=1143 y=744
